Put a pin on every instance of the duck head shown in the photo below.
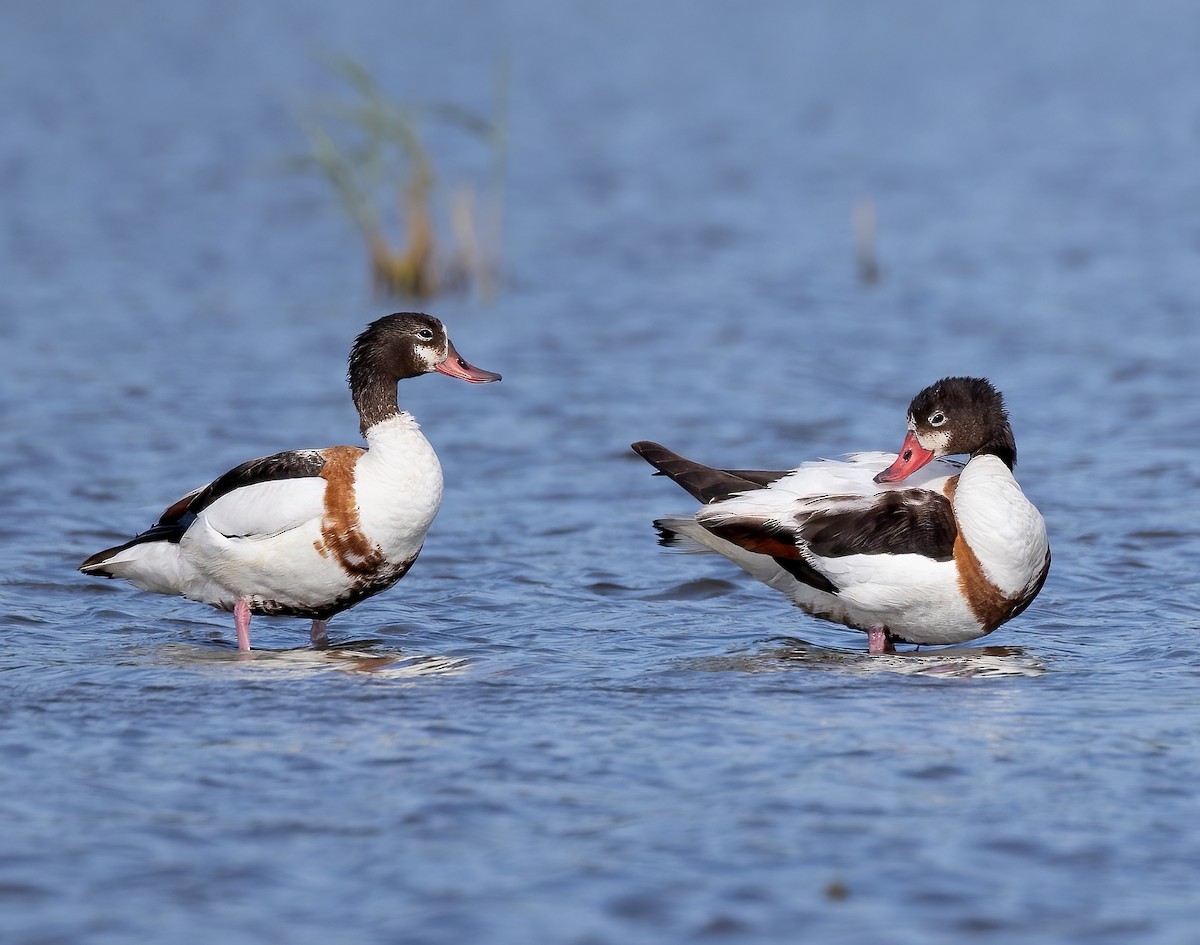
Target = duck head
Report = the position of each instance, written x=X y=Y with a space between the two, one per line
x=395 y=347
x=955 y=415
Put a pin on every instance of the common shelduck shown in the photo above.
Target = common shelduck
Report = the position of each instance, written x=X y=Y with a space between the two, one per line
x=309 y=533
x=911 y=547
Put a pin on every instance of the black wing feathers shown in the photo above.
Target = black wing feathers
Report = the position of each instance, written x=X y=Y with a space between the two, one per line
x=805 y=573
x=903 y=521
x=290 y=464
x=176 y=518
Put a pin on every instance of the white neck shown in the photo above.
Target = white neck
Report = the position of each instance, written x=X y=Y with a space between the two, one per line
x=397 y=443
x=398 y=432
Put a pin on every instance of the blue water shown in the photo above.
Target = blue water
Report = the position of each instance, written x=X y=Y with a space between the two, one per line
x=552 y=730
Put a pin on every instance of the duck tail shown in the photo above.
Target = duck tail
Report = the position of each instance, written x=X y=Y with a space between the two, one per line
x=703 y=483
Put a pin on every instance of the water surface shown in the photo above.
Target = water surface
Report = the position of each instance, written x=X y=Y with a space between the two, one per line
x=552 y=730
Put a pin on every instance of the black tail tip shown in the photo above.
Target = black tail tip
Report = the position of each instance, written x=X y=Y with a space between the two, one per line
x=666 y=536
x=93 y=563
x=654 y=453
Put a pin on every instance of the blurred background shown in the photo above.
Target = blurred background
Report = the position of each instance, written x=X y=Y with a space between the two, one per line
x=752 y=231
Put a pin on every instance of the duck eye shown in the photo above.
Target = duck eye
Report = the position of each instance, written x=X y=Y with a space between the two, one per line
x=425 y=334
x=937 y=419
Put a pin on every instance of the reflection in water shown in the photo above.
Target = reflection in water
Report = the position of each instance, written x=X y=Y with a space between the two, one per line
x=957 y=662
x=359 y=656
x=700 y=589
x=536 y=751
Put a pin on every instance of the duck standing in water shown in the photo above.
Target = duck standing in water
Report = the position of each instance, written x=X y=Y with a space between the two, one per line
x=309 y=533
x=910 y=548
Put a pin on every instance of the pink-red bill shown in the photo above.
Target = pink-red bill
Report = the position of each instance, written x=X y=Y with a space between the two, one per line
x=456 y=365
x=912 y=457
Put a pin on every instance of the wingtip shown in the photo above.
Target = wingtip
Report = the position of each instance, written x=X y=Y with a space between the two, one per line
x=667 y=536
x=91 y=562
x=93 y=568
x=95 y=563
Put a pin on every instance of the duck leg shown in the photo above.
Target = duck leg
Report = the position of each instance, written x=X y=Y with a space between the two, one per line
x=320 y=639
x=879 y=641
x=241 y=620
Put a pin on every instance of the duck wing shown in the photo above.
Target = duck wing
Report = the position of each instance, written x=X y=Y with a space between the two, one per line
x=802 y=534
x=258 y=498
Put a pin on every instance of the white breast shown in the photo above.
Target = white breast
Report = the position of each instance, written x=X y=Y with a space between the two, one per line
x=398 y=484
x=1003 y=528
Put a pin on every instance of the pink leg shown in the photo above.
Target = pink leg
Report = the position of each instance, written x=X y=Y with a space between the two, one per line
x=320 y=639
x=879 y=641
x=241 y=620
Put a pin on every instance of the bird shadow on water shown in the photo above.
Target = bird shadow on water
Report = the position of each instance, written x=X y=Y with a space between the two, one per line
x=353 y=656
x=958 y=662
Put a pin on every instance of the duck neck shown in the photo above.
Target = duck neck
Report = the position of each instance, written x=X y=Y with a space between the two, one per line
x=375 y=399
x=1003 y=447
